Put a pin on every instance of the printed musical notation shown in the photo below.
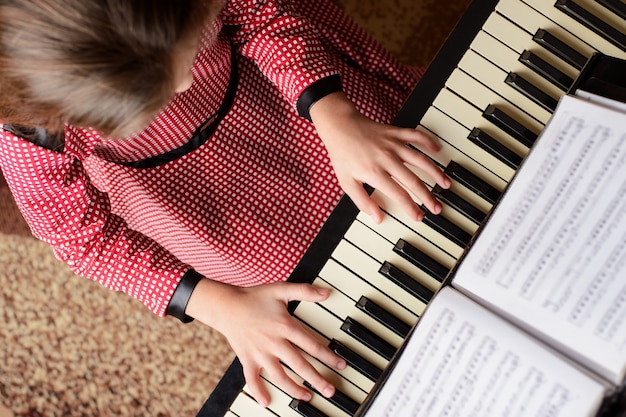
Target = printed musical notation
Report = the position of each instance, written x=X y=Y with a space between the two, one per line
x=465 y=361
x=554 y=253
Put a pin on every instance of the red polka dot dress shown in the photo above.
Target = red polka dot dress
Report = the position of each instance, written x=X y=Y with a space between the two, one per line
x=243 y=204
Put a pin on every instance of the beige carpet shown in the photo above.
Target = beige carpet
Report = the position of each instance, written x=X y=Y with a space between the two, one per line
x=69 y=347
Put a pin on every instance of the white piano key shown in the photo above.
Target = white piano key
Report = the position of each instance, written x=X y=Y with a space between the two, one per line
x=493 y=77
x=330 y=326
x=245 y=405
x=366 y=267
x=393 y=208
x=449 y=118
x=468 y=115
x=508 y=60
x=542 y=14
x=343 y=306
x=382 y=250
x=355 y=287
x=519 y=39
x=481 y=96
x=464 y=152
x=279 y=401
x=393 y=230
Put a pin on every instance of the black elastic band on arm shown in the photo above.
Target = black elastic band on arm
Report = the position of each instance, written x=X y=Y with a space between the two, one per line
x=182 y=294
x=316 y=91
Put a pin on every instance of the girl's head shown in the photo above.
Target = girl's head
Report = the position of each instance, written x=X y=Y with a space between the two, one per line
x=107 y=64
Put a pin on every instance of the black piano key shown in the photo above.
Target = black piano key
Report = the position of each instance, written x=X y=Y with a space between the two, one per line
x=510 y=125
x=403 y=280
x=383 y=317
x=305 y=409
x=531 y=91
x=593 y=22
x=560 y=49
x=457 y=203
x=616 y=6
x=368 y=338
x=362 y=365
x=495 y=148
x=546 y=70
x=445 y=227
x=421 y=260
x=472 y=182
x=339 y=400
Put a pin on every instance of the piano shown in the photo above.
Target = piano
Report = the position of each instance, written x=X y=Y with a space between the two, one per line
x=486 y=97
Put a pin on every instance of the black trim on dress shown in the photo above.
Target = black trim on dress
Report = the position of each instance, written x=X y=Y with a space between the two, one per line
x=202 y=133
x=315 y=92
x=182 y=294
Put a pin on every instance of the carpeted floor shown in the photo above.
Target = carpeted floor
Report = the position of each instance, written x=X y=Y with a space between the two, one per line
x=69 y=347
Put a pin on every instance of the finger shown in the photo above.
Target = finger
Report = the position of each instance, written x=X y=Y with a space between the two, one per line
x=302 y=338
x=363 y=201
x=425 y=164
x=307 y=342
x=279 y=377
x=298 y=363
x=255 y=384
x=394 y=191
x=301 y=292
x=416 y=186
x=418 y=138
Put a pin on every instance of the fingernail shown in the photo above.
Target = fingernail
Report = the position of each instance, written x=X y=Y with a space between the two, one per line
x=264 y=403
x=306 y=397
x=438 y=207
x=341 y=364
x=323 y=291
x=328 y=392
x=446 y=182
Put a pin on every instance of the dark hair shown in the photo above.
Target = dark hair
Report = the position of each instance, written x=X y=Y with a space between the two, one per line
x=105 y=64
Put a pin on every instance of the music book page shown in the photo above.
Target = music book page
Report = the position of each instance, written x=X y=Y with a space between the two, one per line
x=553 y=254
x=463 y=360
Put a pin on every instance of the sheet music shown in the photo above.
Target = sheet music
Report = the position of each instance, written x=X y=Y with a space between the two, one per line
x=553 y=255
x=463 y=360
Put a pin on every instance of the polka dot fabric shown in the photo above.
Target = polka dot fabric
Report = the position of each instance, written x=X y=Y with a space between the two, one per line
x=243 y=207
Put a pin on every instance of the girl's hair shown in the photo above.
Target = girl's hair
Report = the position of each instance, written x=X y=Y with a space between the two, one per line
x=105 y=64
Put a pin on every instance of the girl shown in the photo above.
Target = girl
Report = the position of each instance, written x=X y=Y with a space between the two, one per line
x=183 y=153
